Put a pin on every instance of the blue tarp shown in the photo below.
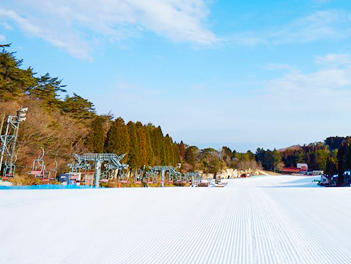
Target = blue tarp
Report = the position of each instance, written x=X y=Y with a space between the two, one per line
x=44 y=187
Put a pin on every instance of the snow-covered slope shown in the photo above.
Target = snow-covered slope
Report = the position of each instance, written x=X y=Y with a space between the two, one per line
x=254 y=220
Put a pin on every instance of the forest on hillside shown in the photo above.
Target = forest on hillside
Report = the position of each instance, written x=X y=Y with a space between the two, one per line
x=333 y=156
x=63 y=125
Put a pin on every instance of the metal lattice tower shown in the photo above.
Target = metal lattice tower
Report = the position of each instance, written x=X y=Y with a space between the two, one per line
x=194 y=176
x=83 y=163
x=163 y=169
x=8 y=142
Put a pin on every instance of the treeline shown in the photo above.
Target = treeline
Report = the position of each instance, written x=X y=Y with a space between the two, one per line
x=16 y=83
x=270 y=160
x=315 y=155
x=331 y=156
x=142 y=144
x=64 y=124
x=210 y=160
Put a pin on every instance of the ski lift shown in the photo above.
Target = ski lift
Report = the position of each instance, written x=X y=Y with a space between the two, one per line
x=170 y=178
x=54 y=171
x=173 y=176
x=151 y=177
x=138 y=177
x=110 y=171
x=38 y=168
x=123 y=177
x=184 y=179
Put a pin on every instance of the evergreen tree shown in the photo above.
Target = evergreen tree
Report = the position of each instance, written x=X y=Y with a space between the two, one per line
x=190 y=156
x=13 y=80
x=117 y=140
x=226 y=153
x=78 y=107
x=154 y=143
x=334 y=142
x=134 y=153
x=150 y=151
x=214 y=165
x=169 y=150
x=277 y=159
x=321 y=157
x=143 y=149
x=176 y=154
x=159 y=146
x=95 y=139
x=47 y=89
x=301 y=156
x=331 y=167
x=341 y=154
x=182 y=150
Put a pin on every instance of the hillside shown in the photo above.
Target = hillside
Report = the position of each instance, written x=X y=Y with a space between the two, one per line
x=63 y=125
x=59 y=135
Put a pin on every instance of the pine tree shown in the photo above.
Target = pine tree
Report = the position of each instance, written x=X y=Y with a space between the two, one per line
x=117 y=140
x=331 y=167
x=277 y=158
x=134 y=153
x=169 y=150
x=14 y=81
x=78 y=107
x=95 y=139
x=47 y=89
x=176 y=154
x=142 y=143
x=155 y=143
x=150 y=151
x=344 y=159
x=182 y=150
x=161 y=146
x=190 y=156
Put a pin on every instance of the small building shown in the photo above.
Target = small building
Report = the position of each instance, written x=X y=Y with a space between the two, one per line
x=291 y=170
x=302 y=166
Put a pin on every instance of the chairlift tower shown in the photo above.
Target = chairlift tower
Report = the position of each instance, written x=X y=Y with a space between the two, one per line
x=194 y=176
x=163 y=169
x=8 y=142
x=98 y=159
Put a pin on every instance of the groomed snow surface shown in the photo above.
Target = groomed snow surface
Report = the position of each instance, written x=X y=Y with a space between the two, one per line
x=274 y=219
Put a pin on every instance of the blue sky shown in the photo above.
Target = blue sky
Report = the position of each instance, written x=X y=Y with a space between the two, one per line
x=245 y=74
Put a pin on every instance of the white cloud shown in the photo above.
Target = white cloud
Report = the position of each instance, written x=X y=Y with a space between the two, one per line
x=6 y=26
x=73 y=25
x=333 y=59
x=321 y=25
x=60 y=37
x=2 y=38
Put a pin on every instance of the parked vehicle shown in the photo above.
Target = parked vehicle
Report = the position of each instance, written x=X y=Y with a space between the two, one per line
x=335 y=177
x=324 y=181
